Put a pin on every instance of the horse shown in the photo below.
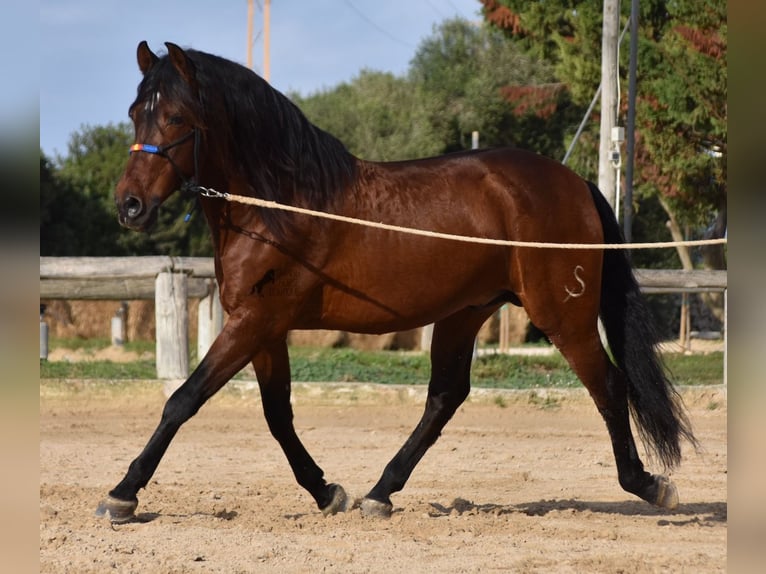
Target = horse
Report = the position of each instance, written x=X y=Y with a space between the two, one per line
x=204 y=123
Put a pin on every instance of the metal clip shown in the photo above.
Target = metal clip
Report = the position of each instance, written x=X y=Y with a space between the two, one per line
x=210 y=192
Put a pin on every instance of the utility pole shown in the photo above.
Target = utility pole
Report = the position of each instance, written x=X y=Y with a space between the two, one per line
x=631 y=125
x=609 y=155
x=267 y=40
x=250 y=13
x=266 y=36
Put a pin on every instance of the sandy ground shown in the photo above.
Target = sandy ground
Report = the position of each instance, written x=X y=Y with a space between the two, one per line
x=518 y=482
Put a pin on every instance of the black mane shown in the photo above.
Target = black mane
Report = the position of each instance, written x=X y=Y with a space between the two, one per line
x=257 y=134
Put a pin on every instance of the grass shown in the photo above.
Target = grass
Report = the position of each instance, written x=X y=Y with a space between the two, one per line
x=695 y=369
x=139 y=369
x=389 y=367
x=98 y=370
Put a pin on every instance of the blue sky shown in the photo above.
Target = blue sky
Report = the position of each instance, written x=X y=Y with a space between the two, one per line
x=88 y=71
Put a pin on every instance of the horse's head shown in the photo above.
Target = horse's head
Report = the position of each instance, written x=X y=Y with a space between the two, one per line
x=165 y=116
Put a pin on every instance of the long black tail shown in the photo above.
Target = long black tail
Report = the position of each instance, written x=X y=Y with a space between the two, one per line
x=656 y=407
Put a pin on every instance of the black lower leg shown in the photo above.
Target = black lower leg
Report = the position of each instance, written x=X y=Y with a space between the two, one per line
x=179 y=408
x=438 y=411
x=631 y=474
x=228 y=354
x=451 y=355
x=279 y=416
x=272 y=366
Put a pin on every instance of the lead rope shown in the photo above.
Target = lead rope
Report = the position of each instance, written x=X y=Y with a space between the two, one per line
x=213 y=193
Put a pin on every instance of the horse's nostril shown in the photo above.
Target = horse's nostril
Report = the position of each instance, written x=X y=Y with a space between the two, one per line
x=132 y=206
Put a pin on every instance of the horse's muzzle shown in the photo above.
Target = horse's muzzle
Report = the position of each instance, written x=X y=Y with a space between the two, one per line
x=133 y=213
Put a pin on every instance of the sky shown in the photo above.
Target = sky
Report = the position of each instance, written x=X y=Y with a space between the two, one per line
x=89 y=75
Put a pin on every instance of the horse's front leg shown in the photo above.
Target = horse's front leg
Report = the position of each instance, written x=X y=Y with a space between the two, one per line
x=272 y=368
x=230 y=352
x=451 y=355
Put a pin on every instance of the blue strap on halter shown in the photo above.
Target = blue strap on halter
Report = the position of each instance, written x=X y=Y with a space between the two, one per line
x=162 y=149
x=144 y=147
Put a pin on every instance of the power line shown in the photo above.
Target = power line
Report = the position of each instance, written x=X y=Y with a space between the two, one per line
x=458 y=10
x=435 y=9
x=372 y=23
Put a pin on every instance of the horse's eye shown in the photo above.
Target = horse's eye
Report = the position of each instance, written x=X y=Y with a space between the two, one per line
x=175 y=121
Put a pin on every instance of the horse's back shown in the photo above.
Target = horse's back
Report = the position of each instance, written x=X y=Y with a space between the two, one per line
x=502 y=193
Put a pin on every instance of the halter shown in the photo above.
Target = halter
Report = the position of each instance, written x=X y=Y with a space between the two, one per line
x=188 y=184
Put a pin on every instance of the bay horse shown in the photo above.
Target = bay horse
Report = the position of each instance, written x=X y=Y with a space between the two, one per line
x=203 y=122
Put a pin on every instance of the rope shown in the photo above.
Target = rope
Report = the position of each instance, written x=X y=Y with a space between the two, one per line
x=464 y=238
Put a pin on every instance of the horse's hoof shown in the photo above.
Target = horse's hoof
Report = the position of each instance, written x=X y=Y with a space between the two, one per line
x=667 y=493
x=375 y=508
x=116 y=510
x=339 y=501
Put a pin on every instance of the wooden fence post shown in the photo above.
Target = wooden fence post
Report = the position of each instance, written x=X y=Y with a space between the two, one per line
x=209 y=320
x=504 y=336
x=426 y=335
x=172 y=319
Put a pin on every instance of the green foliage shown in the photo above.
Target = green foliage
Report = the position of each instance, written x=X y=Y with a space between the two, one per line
x=95 y=160
x=349 y=365
x=393 y=367
x=683 y=106
x=681 y=102
x=377 y=116
x=464 y=71
x=98 y=370
x=565 y=33
x=704 y=369
x=506 y=371
x=69 y=221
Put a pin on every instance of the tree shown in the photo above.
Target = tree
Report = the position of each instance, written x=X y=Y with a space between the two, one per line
x=681 y=100
x=476 y=80
x=377 y=116
x=87 y=175
x=684 y=129
x=684 y=113
x=65 y=217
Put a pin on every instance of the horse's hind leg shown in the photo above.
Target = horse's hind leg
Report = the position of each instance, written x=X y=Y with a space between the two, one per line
x=576 y=335
x=272 y=368
x=451 y=354
x=608 y=388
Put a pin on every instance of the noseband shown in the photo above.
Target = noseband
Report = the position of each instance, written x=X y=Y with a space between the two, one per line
x=187 y=183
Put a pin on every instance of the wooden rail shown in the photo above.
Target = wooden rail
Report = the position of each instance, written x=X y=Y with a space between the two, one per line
x=170 y=281
x=680 y=281
x=119 y=278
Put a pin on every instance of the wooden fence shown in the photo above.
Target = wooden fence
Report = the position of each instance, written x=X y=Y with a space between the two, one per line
x=171 y=281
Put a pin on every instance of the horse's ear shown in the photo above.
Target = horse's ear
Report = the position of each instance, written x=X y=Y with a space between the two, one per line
x=181 y=63
x=146 y=58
